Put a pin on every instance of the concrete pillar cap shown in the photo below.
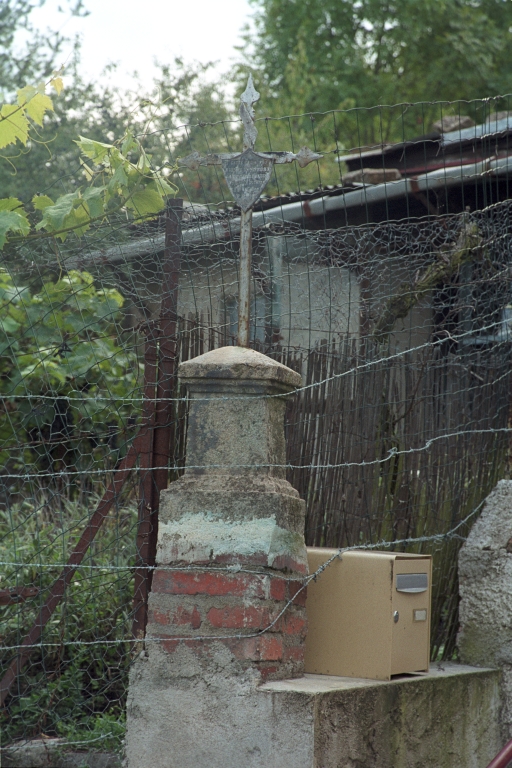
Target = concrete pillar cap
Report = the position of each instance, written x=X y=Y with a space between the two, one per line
x=238 y=363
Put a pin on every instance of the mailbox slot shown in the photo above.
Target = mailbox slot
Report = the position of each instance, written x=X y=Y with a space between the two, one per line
x=413 y=583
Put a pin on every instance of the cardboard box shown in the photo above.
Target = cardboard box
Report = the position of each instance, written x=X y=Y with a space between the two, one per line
x=368 y=614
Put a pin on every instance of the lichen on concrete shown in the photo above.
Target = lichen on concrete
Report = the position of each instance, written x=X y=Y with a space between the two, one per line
x=205 y=536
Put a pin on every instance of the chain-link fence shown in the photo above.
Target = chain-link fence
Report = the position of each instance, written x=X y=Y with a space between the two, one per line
x=383 y=277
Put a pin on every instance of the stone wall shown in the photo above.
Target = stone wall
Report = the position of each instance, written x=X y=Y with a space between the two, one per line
x=485 y=576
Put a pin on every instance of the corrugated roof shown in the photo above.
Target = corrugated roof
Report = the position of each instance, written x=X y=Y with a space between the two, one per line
x=482 y=131
x=444 y=140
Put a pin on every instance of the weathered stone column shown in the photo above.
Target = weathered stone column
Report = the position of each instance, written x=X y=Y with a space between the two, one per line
x=485 y=576
x=231 y=555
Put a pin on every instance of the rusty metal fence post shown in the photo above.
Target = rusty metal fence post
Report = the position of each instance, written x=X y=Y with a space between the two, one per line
x=158 y=448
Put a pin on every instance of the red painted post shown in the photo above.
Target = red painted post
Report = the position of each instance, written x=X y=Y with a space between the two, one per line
x=503 y=758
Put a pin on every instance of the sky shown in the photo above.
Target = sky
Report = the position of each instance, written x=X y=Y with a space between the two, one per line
x=135 y=32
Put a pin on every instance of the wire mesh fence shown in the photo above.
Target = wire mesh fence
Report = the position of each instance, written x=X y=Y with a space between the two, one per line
x=386 y=284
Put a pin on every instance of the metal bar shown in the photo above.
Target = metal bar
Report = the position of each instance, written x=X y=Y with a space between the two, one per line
x=76 y=557
x=146 y=491
x=160 y=373
x=244 y=295
x=277 y=249
x=504 y=758
x=165 y=434
x=15 y=595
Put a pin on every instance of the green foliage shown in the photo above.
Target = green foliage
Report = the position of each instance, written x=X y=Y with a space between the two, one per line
x=64 y=378
x=375 y=52
x=167 y=118
x=12 y=218
x=31 y=103
x=121 y=176
x=115 y=182
x=72 y=689
x=162 y=117
x=103 y=732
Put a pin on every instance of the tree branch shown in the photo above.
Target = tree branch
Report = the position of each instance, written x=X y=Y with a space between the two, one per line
x=445 y=266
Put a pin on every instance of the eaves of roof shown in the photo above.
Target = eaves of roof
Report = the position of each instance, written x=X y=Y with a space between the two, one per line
x=225 y=229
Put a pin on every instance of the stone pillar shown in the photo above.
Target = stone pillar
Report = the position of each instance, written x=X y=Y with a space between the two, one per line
x=231 y=555
x=485 y=576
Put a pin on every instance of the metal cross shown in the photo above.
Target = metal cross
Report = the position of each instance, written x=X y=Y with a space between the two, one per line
x=247 y=173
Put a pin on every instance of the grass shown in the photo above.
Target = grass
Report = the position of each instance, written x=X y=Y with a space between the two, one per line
x=74 y=685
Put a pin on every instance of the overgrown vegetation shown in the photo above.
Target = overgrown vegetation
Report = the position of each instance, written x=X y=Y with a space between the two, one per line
x=69 y=400
x=75 y=685
x=68 y=386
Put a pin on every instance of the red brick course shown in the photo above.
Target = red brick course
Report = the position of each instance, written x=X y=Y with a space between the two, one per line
x=220 y=583
x=210 y=583
x=239 y=617
x=180 y=618
x=295 y=592
x=294 y=624
x=215 y=605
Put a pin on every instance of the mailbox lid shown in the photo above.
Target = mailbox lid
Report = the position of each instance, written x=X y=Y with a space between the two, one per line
x=411 y=600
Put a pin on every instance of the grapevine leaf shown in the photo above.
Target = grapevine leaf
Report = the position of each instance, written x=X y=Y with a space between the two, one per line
x=55 y=215
x=10 y=204
x=88 y=172
x=37 y=106
x=40 y=202
x=69 y=212
x=94 y=199
x=13 y=125
x=9 y=324
x=94 y=150
x=144 y=162
x=12 y=221
x=78 y=221
x=128 y=144
x=57 y=84
x=119 y=179
x=25 y=94
x=163 y=186
x=146 y=202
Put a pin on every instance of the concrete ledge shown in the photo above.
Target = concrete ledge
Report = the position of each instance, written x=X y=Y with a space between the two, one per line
x=52 y=753
x=448 y=718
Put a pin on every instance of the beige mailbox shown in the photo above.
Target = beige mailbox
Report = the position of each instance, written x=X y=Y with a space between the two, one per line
x=368 y=614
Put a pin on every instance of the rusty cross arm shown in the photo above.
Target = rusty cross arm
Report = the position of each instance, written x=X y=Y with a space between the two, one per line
x=303 y=157
x=247 y=173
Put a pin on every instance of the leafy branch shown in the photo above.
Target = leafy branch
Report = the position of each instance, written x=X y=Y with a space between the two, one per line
x=119 y=177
